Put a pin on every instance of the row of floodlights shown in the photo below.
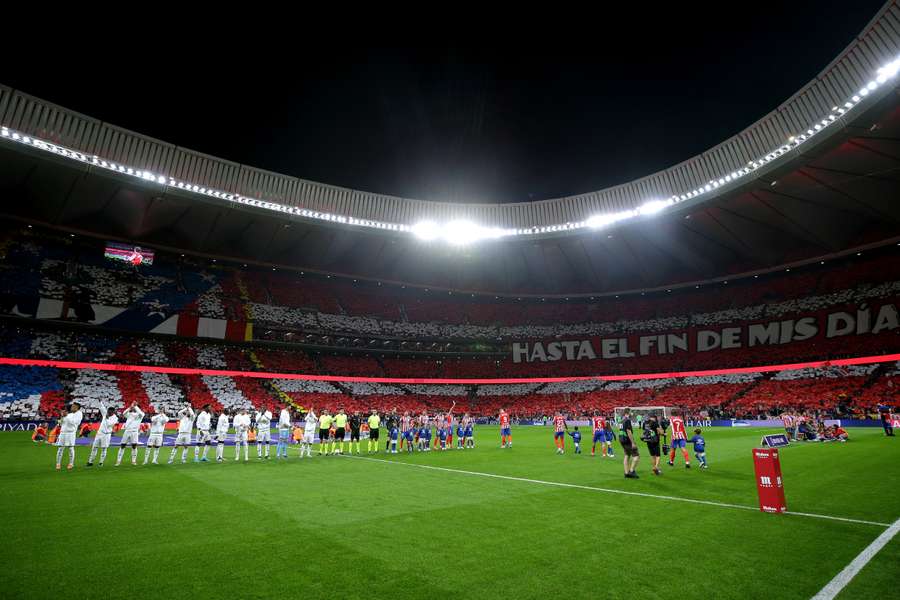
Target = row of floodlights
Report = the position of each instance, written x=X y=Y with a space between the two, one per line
x=462 y=232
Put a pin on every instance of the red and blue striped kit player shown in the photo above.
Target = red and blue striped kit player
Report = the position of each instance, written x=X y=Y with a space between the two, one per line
x=449 y=426
x=559 y=434
x=505 y=432
x=788 y=420
x=405 y=429
x=438 y=421
x=598 y=426
x=679 y=440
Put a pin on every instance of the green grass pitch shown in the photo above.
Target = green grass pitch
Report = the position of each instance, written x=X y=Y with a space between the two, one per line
x=336 y=527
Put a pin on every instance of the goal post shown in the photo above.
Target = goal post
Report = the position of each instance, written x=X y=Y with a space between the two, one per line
x=641 y=412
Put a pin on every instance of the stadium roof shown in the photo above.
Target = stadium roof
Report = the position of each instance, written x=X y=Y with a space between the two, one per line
x=816 y=177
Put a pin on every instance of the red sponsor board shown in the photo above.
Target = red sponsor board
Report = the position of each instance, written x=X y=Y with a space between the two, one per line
x=768 y=480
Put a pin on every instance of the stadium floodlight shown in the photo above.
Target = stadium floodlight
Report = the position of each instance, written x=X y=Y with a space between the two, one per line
x=653 y=207
x=599 y=221
x=426 y=230
x=462 y=232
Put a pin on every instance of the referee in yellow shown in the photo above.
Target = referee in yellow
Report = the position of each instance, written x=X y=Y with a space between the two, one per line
x=374 y=423
x=340 y=427
x=324 y=426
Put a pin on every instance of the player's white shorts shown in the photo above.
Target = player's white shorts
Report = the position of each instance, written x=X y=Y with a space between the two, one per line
x=130 y=438
x=183 y=439
x=66 y=439
x=264 y=435
x=101 y=440
x=155 y=440
x=309 y=437
x=222 y=437
x=240 y=437
x=203 y=437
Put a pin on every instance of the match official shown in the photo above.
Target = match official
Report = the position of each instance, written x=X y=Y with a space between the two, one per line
x=374 y=423
x=355 y=423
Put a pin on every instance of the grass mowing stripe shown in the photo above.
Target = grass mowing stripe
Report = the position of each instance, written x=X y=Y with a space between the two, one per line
x=612 y=491
x=834 y=587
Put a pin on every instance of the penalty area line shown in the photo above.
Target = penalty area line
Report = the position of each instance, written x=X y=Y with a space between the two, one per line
x=613 y=491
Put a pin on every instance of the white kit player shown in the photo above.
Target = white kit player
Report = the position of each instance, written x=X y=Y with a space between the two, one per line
x=68 y=428
x=241 y=428
x=108 y=421
x=222 y=425
x=263 y=431
x=679 y=439
x=183 y=439
x=204 y=420
x=158 y=424
x=309 y=433
x=131 y=433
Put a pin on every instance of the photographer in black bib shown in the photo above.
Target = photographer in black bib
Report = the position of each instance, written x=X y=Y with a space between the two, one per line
x=651 y=434
x=629 y=445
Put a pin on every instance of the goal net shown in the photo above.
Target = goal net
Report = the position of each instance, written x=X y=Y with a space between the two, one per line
x=639 y=413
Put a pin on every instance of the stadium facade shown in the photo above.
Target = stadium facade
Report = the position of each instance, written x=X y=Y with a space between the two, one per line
x=810 y=180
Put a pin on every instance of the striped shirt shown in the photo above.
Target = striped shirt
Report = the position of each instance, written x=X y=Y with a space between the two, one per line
x=559 y=422
x=678 y=428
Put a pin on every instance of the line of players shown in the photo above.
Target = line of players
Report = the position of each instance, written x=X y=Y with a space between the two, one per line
x=413 y=431
x=654 y=435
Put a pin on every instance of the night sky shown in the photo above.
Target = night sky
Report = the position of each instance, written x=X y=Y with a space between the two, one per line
x=500 y=112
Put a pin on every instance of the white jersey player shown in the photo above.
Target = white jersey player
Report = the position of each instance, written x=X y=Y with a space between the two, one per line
x=263 y=431
x=309 y=433
x=108 y=421
x=158 y=424
x=68 y=429
x=204 y=421
x=131 y=433
x=241 y=429
x=183 y=439
x=222 y=425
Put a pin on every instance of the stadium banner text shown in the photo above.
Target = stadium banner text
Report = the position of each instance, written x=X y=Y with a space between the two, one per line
x=858 y=320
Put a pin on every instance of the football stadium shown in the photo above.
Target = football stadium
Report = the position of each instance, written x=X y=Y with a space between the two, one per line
x=686 y=383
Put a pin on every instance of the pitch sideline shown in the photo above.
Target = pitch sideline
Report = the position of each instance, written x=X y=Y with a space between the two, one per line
x=614 y=491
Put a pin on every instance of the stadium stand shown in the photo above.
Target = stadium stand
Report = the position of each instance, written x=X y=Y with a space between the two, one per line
x=44 y=277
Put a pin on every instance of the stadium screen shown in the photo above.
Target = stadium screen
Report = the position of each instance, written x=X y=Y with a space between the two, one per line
x=127 y=253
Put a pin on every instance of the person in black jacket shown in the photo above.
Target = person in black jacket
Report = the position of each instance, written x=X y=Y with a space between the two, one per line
x=652 y=433
x=392 y=422
x=629 y=446
x=355 y=423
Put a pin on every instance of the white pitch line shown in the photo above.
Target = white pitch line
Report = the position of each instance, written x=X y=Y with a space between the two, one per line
x=840 y=581
x=614 y=491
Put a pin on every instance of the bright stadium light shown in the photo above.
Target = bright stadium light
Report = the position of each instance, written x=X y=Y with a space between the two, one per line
x=600 y=221
x=461 y=232
x=425 y=230
x=654 y=206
